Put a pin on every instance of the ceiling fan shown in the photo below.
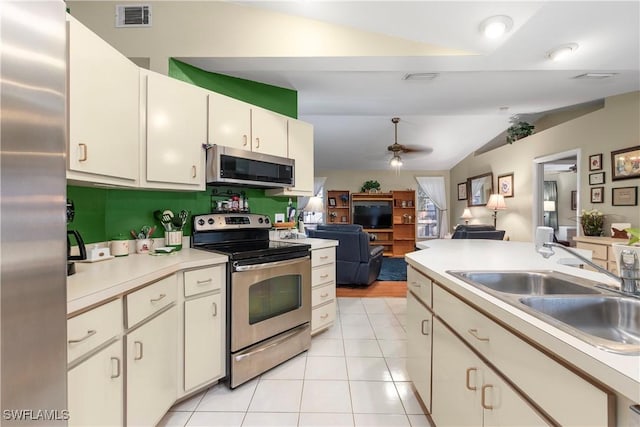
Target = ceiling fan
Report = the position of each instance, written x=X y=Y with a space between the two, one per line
x=396 y=149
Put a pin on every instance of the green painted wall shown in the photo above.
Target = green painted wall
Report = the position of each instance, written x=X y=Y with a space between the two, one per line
x=102 y=214
x=280 y=100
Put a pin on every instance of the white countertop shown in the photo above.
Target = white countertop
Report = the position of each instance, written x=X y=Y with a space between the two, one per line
x=315 y=243
x=620 y=372
x=100 y=281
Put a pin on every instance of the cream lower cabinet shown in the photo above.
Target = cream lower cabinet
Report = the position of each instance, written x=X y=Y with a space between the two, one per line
x=466 y=392
x=419 y=345
x=95 y=389
x=151 y=369
x=323 y=288
x=203 y=323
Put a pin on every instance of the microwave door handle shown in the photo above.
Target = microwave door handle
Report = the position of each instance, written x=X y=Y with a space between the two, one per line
x=269 y=264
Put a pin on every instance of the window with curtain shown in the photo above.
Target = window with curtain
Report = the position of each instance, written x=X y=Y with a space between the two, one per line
x=551 y=210
x=428 y=215
x=433 y=187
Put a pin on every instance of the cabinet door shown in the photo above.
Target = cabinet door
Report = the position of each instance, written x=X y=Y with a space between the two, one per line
x=103 y=108
x=95 y=389
x=457 y=381
x=268 y=132
x=419 y=344
x=202 y=340
x=229 y=122
x=176 y=130
x=151 y=369
x=299 y=148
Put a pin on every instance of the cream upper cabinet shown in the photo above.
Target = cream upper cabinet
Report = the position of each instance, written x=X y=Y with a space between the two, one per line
x=268 y=132
x=176 y=129
x=103 y=111
x=299 y=148
x=229 y=122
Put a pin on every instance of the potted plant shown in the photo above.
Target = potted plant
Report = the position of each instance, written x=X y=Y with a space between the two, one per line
x=332 y=216
x=370 y=186
x=592 y=222
x=518 y=130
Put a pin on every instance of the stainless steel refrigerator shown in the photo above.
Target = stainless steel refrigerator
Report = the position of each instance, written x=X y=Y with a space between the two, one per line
x=32 y=213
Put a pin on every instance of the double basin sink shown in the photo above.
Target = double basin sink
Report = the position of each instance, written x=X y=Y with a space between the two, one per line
x=600 y=317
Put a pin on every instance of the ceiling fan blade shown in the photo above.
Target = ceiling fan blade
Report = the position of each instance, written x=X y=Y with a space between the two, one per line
x=416 y=149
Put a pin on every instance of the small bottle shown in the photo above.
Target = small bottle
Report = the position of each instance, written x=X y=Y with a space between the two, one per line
x=246 y=204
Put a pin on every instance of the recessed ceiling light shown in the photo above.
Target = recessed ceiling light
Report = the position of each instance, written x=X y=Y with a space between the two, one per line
x=562 y=52
x=420 y=76
x=595 y=76
x=496 y=26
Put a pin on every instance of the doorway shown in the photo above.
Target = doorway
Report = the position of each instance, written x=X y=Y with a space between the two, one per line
x=556 y=191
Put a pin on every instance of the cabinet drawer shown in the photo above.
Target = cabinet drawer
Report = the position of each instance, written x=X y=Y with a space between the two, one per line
x=599 y=251
x=203 y=280
x=420 y=285
x=323 y=274
x=322 y=294
x=323 y=316
x=588 y=404
x=148 y=300
x=323 y=256
x=88 y=330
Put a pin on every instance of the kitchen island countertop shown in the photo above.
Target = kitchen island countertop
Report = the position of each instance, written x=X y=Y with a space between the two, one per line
x=618 y=371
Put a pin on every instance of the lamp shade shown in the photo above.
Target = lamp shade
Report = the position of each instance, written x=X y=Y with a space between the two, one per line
x=466 y=214
x=315 y=204
x=496 y=202
x=549 y=206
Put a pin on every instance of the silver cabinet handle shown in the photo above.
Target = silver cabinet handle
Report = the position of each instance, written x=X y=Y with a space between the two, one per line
x=469 y=387
x=193 y=171
x=474 y=333
x=484 y=397
x=215 y=309
x=245 y=140
x=118 y=371
x=161 y=296
x=415 y=284
x=83 y=152
x=324 y=257
x=422 y=327
x=324 y=276
x=139 y=354
x=257 y=142
x=202 y=282
x=324 y=295
x=90 y=333
x=324 y=316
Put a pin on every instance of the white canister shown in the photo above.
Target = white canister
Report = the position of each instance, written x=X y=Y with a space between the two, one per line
x=119 y=246
x=143 y=246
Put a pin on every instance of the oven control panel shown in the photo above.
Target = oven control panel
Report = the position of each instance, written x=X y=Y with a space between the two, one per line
x=209 y=222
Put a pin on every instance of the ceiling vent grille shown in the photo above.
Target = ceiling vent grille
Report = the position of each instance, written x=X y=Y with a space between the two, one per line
x=420 y=76
x=133 y=15
x=595 y=76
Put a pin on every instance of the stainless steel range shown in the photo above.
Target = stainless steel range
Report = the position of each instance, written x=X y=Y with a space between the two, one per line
x=268 y=292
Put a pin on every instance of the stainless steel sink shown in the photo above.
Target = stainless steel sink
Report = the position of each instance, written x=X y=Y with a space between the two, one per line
x=613 y=321
x=528 y=282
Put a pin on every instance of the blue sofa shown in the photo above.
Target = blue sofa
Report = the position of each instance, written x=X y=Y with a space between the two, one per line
x=478 y=231
x=357 y=263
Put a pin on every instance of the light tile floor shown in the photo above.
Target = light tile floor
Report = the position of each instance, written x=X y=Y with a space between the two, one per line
x=353 y=375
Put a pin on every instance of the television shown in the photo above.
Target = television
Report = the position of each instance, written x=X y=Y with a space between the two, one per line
x=373 y=213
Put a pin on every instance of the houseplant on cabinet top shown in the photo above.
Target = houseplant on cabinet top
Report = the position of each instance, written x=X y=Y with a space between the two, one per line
x=370 y=186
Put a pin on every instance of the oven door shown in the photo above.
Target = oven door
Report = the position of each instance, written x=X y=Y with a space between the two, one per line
x=268 y=299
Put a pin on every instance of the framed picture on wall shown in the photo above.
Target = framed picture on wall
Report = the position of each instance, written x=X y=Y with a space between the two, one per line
x=596 y=178
x=624 y=196
x=505 y=185
x=462 y=191
x=625 y=163
x=595 y=162
x=597 y=194
x=574 y=200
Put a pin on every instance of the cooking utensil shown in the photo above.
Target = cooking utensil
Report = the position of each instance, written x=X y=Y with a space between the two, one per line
x=183 y=217
x=166 y=222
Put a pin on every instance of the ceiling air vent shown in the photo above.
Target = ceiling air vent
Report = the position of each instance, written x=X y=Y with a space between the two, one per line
x=420 y=76
x=595 y=76
x=133 y=15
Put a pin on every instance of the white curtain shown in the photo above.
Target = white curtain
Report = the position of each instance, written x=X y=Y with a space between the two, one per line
x=318 y=183
x=434 y=188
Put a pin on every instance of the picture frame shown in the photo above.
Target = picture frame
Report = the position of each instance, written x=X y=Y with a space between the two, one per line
x=624 y=196
x=462 y=191
x=574 y=200
x=595 y=162
x=332 y=202
x=596 y=178
x=505 y=185
x=597 y=194
x=625 y=163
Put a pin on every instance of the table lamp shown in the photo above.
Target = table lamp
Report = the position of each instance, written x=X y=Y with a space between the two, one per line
x=466 y=215
x=548 y=206
x=496 y=202
x=315 y=205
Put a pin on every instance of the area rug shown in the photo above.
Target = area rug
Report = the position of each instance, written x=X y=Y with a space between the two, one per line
x=393 y=270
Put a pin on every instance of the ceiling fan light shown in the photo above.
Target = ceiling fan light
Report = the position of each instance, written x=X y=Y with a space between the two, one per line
x=496 y=26
x=396 y=161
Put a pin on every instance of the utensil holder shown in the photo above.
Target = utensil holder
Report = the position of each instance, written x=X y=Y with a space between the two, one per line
x=143 y=246
x=173 y=239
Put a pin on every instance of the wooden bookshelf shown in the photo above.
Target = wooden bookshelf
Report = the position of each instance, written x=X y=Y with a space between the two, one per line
x=404 y=222
x=342 y=207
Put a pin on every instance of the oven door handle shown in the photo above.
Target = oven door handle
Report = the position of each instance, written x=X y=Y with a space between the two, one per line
x=284 y=337
x=269 y=264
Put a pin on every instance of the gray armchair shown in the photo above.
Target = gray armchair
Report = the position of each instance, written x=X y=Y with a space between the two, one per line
x=478 y=231
x=357 y=263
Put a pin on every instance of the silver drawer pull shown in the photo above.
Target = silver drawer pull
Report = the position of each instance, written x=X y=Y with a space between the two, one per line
x=484 y=397
x=422 y=327
x=324 y=295
x=324 y=257
x=474 y=333
x=415 y=284
x=117 y=374
x=324 y=316
x=90 y=333
x=469 y=386
x=139 y=354
x=215 y=309
x=161 y=296
x=83 y=151
x=202 y=282
x=324 y=276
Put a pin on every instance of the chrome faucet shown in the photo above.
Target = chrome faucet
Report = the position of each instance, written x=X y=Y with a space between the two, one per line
x=629 y=264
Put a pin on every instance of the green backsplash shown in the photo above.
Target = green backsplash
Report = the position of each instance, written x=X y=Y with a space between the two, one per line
x=280 y=100
x=102 y=214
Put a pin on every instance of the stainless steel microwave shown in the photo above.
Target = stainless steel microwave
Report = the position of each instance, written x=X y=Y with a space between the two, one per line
x=226 y=165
